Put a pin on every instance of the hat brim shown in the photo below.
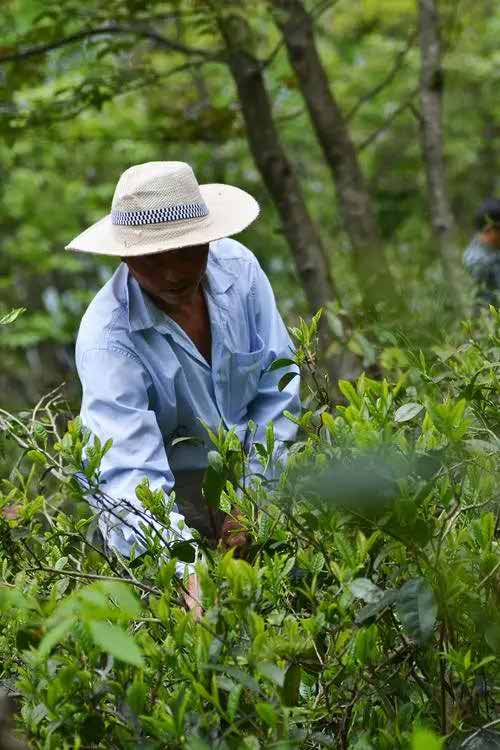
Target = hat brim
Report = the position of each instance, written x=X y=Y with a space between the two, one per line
x=230 y=211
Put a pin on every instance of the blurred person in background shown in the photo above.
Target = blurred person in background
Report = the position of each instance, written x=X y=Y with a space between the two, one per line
x=482 y=257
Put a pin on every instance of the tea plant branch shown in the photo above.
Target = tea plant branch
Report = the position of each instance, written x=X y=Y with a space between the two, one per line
x=30 y=552
x=53 y=422
x=146 y=519
x=304 y=536
x=384 y=530
x=80 y=536
x=95 y=577
x=158 y=681
x=479 y=731
x=53 y=393
x=490 y=574
x=22 y=443
x=442 y=673
x=412 y=666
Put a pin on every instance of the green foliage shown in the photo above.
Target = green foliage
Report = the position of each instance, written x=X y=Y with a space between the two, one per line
x=364 y=613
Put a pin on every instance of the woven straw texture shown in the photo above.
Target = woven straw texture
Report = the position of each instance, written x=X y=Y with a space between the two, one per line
x=162 y=185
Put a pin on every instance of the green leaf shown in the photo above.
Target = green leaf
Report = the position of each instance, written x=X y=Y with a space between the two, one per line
x=286 y=379
x=347 y=389
x=267 y=713
x=60 y=564
x=270 y=439
x=225 y=503
x=37 y=457
x=408 y=411
x=187 y=439
x=291 y=417
x=365 y=647
x=107 y=445
x=127 y=603
x=492 y=637
x=372 y=610
x=213 y=484
x=425 y=739
x=115 y=641
x=363 y=588
x=92 y=729
x=183 y=551
x=417 y=609
x=11 y=316
x=196 y=743
x=233 y=701
x=328 y=422
x=54 y=635
x=327 y=740
x=215 y=461
x=476 y=445
x=291 y=685
x=279 y=363
x=272 y=672
x=261 y=450
x=17 y=600
x=137 y=694
x=243 y=678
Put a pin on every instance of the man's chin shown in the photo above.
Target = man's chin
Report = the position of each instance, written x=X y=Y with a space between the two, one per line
x=178 y=296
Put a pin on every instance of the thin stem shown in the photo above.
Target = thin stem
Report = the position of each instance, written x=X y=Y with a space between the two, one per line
x=442 y=668
x=95 y=577
x=485 y=726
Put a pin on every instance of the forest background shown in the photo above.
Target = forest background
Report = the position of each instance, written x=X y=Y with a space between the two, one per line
x=368 y=131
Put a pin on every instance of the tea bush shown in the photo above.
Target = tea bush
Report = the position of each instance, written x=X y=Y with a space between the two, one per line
x=365 y=612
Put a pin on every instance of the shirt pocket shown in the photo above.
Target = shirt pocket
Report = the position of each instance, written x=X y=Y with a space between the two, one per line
x=245 y=371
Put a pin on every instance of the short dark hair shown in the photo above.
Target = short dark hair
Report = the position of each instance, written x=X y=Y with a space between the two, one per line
x=488 y=214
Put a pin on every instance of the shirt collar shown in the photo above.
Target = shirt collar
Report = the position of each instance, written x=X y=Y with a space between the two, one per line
x=143 y=313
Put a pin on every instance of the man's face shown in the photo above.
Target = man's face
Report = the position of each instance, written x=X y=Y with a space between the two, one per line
x=491 y=235
x=173 y=275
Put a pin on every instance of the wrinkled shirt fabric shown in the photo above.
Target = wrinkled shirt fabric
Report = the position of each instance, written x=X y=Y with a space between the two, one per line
x=144 y=382
x=483 y=263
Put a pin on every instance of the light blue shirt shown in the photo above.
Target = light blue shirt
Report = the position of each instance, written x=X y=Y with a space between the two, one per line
x=145 y=383
x=483 y=263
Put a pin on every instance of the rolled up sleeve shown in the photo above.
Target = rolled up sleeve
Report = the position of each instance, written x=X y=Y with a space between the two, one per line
x=115 y=404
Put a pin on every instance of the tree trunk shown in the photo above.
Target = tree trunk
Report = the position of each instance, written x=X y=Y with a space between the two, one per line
x=333 y=135
x=431 y=131
x=282 y=183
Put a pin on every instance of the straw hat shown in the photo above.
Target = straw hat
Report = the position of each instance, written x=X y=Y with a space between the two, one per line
x=159 y=206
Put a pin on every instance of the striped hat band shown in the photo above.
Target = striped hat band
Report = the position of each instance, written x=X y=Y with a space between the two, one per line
x=180 y=212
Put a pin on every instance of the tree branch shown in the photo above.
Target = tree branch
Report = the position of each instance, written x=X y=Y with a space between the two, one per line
x=75 y=106
x=398 y=60
x=160 y=40
x=373 y=136
x=315 y=14
x=321 y=7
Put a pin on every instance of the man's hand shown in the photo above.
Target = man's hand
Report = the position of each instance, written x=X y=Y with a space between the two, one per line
x=233 y=531
x=192 y=597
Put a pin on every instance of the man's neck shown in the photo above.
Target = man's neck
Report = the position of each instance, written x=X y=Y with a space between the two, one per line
x=182 y=307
